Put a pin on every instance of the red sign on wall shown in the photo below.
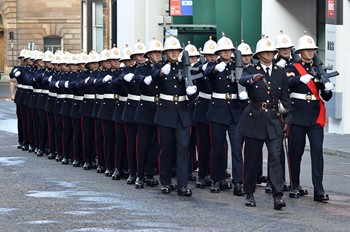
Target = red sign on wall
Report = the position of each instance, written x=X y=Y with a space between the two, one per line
x=331 y=9
x=175 y=7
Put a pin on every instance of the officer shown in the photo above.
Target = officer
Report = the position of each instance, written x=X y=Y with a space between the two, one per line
x=308 y=93
x=193 y=55
x=260 y=123
x=77 y=100
x=15 y=75
x=147 y=138
x=224 y=112
x=200 y=117
x=174 y=119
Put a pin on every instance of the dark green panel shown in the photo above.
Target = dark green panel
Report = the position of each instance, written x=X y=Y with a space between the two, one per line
x=251 y=17
x=228 y=19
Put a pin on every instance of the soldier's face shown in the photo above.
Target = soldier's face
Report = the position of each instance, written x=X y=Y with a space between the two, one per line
x=246 y=59
x=48 y=65
x=284 y=52
x=154 y=56
x=193 y=59
x=129 y=63
x=139 y=58
x=172 y=55
x=210 y=57
x=225 y=55
x=105 y=64
x=266 y=57
x=73 y=67
x=307 y=54
x=93 y=66
x=114 y=63
x=40 y=63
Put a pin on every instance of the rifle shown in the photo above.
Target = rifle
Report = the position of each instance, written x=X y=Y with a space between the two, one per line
x=185 y=72
x=320 y=70
x=237 y=74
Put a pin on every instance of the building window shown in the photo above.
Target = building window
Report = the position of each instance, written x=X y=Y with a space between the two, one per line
x=52 y=43
x=97 y=26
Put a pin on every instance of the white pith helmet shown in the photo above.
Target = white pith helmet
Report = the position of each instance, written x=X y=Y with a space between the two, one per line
x=224 y=43
x=92 y=57
x=64 y=58
x=192 y=50
x=33 y=54
x=82 y=58
x=283 y=41
x=172 y=43
x=22 y=53
x=126 y=53
x=139 y=49
x=72 y=59
x=245 y=49
x=305 y=42
x=209 y=47
x=114 y=54
x=265 y=44
x=154 y=46
x=57 y=57
x=48 y=56
x=104 y=55
x=39 y=55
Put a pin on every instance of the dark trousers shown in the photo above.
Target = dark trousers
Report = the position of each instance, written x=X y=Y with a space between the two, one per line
x=77 y=140
x=88 y=140
x=58 y=134
x=252 y=154
x=108 y=144
x=67 y=137
x=192 y=150
x=30 y=127
x=174 y=143
x=131 y=133
x=43 y=131
x=24 y=115
x=19 y=124
x=218 y=156
x=99 y=141
x=296 y=149
x=35 y=124
x=120 y=146
x=146 y=149
x=204 y=148
x=51 y=132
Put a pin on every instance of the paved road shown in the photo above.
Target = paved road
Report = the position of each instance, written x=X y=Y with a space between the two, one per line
x=38 y=194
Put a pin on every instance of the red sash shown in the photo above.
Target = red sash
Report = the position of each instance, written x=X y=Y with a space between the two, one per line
x=321 y=120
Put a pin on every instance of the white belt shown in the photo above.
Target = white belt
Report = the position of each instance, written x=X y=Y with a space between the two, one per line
x=108 y=96
x=45 y=91
x=27 y=87
x=120 y=98
x=134 y=97
x=19 y=86
x=52 y=94
x=61 y=95
x=307 y=97
x=173 y=98
x=99 y=96
x=227 y=96
x=149 y=98
x=80 y=98
x=89 y=96
x=204 y=95
x=70 y=96
x=36 y=90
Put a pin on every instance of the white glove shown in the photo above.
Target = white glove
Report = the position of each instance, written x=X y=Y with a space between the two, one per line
x=50 y=78
x=243 y=95
x=56 y=84
x=221 y=66
x=282 y=63
x=107 y=78
x=17 y=73
x=66 y=84
x=204 y=67
x=190 y=90
x=15 y=70
x=328 y=86
x=128 y=77
x=147 y=80
x=87 y=79
x=166 y=69
x=305 y=78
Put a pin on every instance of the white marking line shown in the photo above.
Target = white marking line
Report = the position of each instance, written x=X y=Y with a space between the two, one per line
x=343 y=163
x=347 y=176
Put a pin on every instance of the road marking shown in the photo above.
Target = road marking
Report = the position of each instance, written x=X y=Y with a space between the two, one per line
x=347 y=175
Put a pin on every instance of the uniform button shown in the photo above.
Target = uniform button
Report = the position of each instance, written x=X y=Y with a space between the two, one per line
x=267 y=100
x=228 y=85
x=266 y=110
x=268 y=92
x=269 y=83
x=174 y=78
x=256 y=87
x=175 y=86
x=279 y=88
x=250 y=114
x=104 y=103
